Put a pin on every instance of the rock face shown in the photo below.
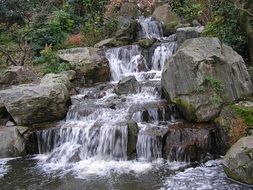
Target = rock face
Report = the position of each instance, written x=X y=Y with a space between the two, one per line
x=188 y=33
x=15 y=75
x=167 y=17
x=128 y=85
x=238 y=162
x=188 y=142
x=90 y=64
x=11 y=142
x=29 y=104
x=202 y=75
x=235 y=121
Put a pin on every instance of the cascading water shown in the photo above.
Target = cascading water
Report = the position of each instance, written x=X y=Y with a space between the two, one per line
x=96 y=129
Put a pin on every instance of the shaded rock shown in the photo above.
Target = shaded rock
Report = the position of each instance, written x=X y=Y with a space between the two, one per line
x=167 y=17
x=15 y=75
x=129 y=10
x=128 y=85
x=132 y=139
x=188 y=33
x=235 y=122
x=90 y=64
x=188 y=142
x=11 y=142
x=28 y=104
x=146 y=43
x=238 y=162
x=202 y=76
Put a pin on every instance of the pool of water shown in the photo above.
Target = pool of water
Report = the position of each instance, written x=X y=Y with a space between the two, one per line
x=32 y=174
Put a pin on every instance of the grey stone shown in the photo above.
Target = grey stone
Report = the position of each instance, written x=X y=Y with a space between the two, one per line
x=128 y=85
x=238 y=162
x=188 y=33
x=202 y=76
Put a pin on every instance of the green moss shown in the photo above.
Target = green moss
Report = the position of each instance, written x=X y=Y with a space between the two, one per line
x=246 y=113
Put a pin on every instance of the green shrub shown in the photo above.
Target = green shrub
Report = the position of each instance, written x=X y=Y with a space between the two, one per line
x=50 y=61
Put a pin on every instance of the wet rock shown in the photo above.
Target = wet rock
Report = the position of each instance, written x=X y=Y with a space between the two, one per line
x=188 y=33
x=202 y=76
x=168 y=18
x=189 y=142
x=10 y=124
x=132 y=139
x=11 y=142
x=90 y=64
x=238 y=162
x=128 y=85
x=28 y=104
x=146 y=43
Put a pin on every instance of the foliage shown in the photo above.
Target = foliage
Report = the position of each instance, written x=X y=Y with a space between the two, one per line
x=51 y=61
x=189 y=9
x=246 y=113
x=54 y=31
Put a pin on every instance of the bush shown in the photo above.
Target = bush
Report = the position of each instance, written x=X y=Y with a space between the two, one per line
x=50 y=61
x=54 y=31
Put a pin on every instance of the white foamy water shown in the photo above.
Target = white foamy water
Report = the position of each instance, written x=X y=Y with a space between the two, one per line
x=207 y=176
x=3 y=166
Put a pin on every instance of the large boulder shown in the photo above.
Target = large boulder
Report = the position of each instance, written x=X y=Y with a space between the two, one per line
x=128 y=85
x=202 y=76
x=36 y=103
x=28 y=104
x=90 y=64
x=238 y=162
x=167 y=17
x=189 y=142
x=188 y=33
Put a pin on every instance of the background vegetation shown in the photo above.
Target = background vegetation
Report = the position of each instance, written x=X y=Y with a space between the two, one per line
x=32 y=30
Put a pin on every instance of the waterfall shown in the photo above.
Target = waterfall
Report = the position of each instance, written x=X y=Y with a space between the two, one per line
x=149 y=28
x=97 y=128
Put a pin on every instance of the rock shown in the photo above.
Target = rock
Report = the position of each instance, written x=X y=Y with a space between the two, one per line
x=132 y=139
x=146 y=43
x=195 y=23
x=128 y=85
x=10 y=124
x=188 y=33
x=28 y=104
x=167 y=17
x=235 y=122
x=188 y=142
x=15 y=75
x=11 y=143
x=61 y=78
x=108 y=43
x=238 y=162
x=90 y=64
x=202 y=76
